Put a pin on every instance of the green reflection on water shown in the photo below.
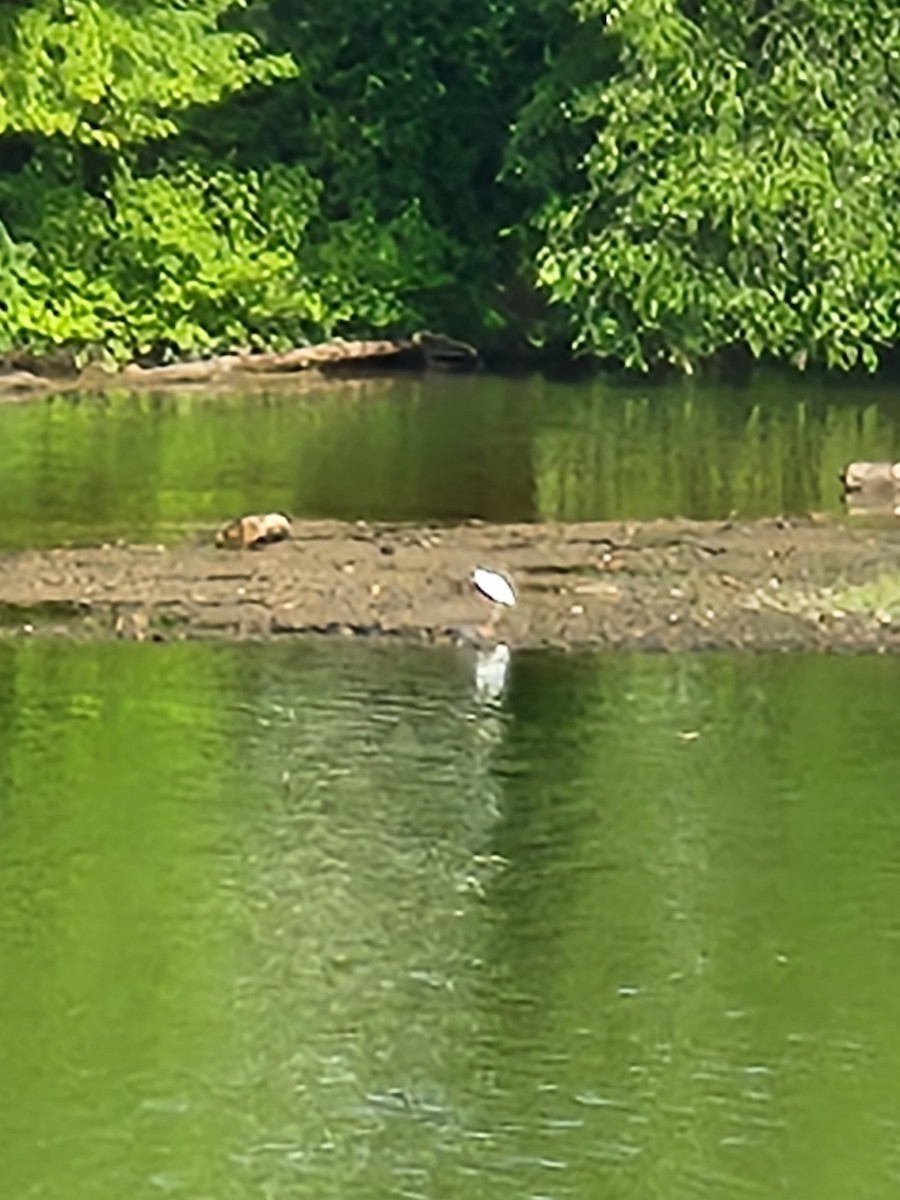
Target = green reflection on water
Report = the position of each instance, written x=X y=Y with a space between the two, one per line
x=145 y=467
x=109 y=765
x=318 y=921
x=705 y=451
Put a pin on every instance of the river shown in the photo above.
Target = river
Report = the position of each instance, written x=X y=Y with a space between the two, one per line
x=328 y=920
x=345 y=920
x=145 y=467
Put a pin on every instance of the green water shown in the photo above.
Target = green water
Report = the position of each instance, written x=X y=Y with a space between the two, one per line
x=163 y=468
x=324 y=921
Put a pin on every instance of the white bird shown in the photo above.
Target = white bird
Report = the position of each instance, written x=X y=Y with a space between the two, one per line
x=498 y=590
x=494 y=586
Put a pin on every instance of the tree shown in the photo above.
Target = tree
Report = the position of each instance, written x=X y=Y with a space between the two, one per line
x=91 y=250
x=732 y=179
x=112 y=73
x=180 y=177
x=402 y=112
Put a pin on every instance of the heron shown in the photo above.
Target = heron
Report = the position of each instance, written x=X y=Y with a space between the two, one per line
x=498 y=589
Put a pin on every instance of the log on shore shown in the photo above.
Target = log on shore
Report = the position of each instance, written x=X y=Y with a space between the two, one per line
x=872 y=488
x=421 y=352
x=23 y=382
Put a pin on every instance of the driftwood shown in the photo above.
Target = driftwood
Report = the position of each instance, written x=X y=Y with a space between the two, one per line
x=257 y=529
x=199 y=371
x=859 y=476
x=872 y=488
x=22 y=381
x=327 y=354
x=422 y=352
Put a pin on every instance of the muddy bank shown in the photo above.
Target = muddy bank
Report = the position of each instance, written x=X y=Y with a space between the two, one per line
x=660 y=585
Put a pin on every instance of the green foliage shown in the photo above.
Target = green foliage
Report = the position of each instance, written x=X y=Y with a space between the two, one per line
x=738 y=183
x=676 y=176
x=174 y=259
x=400 y=101
x=96 y=253
x=402 y=111
x=109 y=74
x=189 y=261
x=179 y=177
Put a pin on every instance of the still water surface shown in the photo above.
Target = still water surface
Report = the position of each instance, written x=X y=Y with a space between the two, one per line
x=302 y=921
x=144 y=467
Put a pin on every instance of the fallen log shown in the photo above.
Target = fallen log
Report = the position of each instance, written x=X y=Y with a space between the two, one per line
x=326 y=354
x=866 y=506
x=198 y=371
x=422 y=351
x=861 y=476
x=257 y=529
x=872 y=488
x=446 y=354
x=22 y=381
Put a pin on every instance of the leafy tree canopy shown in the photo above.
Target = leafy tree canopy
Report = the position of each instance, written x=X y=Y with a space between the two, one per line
x=675 y=177
x=736 y=184
x=113 y=72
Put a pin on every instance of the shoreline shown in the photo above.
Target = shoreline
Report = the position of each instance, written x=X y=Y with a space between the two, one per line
x=25 y=376
x=665 y=585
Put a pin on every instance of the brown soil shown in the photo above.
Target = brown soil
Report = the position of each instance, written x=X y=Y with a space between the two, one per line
x=660 y=585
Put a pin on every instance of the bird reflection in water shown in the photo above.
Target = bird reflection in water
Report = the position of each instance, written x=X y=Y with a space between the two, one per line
x=491 y=670
x=492 y=658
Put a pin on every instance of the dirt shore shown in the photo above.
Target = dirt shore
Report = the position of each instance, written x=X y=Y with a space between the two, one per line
x=668 y=585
